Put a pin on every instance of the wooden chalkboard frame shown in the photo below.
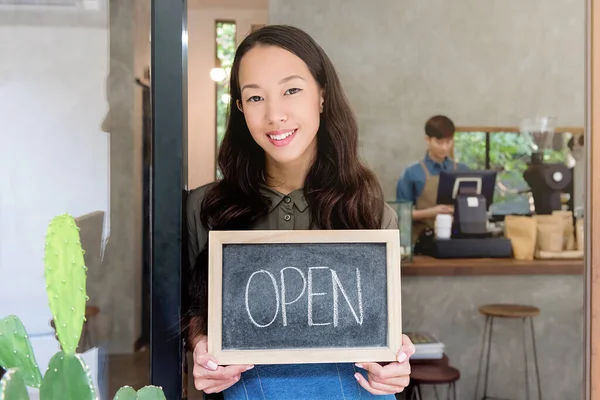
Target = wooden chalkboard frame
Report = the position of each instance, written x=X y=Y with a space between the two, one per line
x=217 y=239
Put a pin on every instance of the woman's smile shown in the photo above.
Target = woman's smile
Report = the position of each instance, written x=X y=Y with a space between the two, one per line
x=282 y=137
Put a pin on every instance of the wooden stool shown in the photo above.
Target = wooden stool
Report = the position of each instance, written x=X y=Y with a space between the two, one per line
x=434 y=374
x=431 y=361
x=408 y=392
x=513 y=311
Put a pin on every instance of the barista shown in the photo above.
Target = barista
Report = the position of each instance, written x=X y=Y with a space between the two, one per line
x=419 y=183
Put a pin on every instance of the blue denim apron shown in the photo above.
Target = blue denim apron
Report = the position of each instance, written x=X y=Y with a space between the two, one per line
x=301 y=382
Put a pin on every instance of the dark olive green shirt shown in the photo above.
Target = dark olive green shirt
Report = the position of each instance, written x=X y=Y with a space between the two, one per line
x=286 y=212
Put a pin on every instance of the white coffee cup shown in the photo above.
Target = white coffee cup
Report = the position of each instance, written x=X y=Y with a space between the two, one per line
x=443 y=226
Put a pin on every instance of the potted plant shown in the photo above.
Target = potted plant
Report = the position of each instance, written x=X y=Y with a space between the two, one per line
x=67 y=376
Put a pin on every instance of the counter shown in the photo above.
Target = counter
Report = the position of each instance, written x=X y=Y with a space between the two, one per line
x=442 y=296
x=423 y=265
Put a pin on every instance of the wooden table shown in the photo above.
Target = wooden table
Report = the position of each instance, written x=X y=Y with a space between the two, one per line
x=429 y=266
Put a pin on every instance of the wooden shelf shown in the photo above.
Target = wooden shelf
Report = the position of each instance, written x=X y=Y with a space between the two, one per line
x=429 y=266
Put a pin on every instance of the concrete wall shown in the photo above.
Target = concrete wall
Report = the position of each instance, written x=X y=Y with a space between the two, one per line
x=481 y=63
x=448 y=308
x=129 y=55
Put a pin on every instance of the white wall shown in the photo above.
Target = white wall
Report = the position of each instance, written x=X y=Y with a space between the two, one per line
x=53 y=154
x=201 y=89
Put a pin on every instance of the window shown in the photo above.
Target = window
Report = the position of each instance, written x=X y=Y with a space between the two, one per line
x=225 y=36
x=506 y=151
x=225 y=51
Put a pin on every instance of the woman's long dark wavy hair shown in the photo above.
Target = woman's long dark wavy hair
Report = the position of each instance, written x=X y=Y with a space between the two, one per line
x=342 y=193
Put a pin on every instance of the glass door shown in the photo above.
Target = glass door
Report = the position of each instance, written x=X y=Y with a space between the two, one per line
x=92 y=188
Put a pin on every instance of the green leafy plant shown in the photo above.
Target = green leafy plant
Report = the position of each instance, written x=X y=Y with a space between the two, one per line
x=509 y=154
x=67 y=377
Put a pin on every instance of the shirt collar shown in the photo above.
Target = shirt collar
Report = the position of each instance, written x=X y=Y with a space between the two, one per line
x=276 y=197
x=446 y=162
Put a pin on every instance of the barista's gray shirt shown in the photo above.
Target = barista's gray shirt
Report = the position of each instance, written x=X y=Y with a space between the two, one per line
x=286 y=212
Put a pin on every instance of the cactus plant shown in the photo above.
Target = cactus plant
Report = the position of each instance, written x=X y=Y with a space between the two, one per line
x=65 y=280
x=12 y=386
x=67 y=377
x=151 y=393
x=126 y=393
x=145 y=393
x=16 y=351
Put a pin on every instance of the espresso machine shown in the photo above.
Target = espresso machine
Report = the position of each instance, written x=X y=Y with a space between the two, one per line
x=548 y=181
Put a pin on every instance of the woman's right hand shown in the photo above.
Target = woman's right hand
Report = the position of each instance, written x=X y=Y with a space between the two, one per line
x=209 y=377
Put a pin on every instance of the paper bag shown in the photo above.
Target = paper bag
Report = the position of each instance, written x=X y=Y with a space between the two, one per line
x=569 y=229
x=522 y=232
x=550 y=232
x=580 y=234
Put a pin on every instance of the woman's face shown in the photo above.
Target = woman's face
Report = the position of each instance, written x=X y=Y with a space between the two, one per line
x=281 y=102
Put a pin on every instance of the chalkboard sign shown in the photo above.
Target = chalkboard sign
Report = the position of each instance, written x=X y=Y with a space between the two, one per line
x=279 y=297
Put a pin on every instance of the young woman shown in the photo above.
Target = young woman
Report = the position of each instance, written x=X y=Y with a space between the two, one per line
x=289 y=160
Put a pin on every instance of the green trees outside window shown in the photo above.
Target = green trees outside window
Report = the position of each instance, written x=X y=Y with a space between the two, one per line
x=508 y=153
x=225 y=38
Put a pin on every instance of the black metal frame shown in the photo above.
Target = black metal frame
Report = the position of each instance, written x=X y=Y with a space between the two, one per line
x=168 y=191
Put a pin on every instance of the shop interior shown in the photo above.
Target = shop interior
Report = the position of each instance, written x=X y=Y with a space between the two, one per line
x=494 y=298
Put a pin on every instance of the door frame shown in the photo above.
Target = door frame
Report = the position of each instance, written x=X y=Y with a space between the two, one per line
x=592 y=215
x=168 y=188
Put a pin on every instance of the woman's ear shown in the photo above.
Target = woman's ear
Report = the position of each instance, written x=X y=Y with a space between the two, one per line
x=322 y=99
x=239 y=105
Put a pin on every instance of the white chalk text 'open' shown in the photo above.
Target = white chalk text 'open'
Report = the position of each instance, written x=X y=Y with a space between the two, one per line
x=282 y=300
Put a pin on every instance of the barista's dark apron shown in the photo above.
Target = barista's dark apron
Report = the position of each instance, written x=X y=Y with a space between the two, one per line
x=427 y=199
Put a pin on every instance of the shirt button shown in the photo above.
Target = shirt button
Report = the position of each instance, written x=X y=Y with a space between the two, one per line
x=287 y=217
x=287 y=199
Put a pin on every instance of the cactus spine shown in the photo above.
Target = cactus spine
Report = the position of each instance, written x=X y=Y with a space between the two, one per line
x=65 y=280
x=16 y=351
x=12 y=386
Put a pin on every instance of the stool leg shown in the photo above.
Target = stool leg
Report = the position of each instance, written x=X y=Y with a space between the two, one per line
x=419 y=392
x=413 y=393
x=436 y=393
x=452 y=391
x=525 y=355
x=483 y=340
x=537 y=371
x=487 y=363
x=409 y=391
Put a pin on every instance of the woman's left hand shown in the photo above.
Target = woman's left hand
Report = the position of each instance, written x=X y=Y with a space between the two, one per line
x=391 y=378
